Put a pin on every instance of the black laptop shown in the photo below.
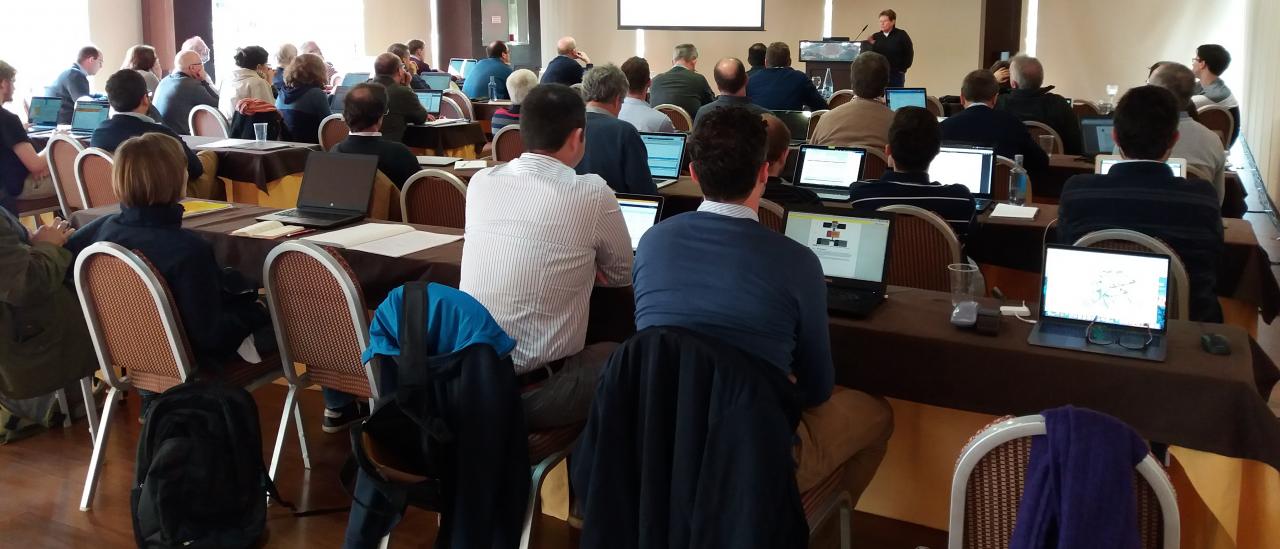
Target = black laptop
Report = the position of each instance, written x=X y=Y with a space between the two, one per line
x=335 y=191
x=640 y=212
x=829 y=171
x=1104 y=301
x=1096 y=131
x=797 y=122
x=969 y=165
x=853 y=250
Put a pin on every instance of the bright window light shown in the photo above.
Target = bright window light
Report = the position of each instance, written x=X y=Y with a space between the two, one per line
x=1033 y=26
x=337 y=26
x=52 y=53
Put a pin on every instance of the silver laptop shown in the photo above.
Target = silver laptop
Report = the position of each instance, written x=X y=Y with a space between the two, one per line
x=853 y=250
x=829 y=171
x=43 y=114
x=666 y=153
x=897 y=98
x=88 y=115
x=968 y=165
x=430 y=100
x=640 y=212
x=335 y=190
x=1104 y=301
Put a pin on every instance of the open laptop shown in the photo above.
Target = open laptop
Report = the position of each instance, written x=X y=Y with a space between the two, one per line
x=1096 y=131
x=968 y=165
x=1103 y=301
x=455 y=66
x=338 y=98
x=666 y=153
x=350 y=79
x=897 y=98
x=797 y=122
x=829 y=171
x=335 y=190
x=639 y=212
x=88 y=115
x=43 y=114
x=437 y=80
x=1103 y=163
x=853 y=250
x=430 y=100
x=467 y=65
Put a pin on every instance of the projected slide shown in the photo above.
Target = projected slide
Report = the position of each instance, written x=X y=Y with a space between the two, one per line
x=1114 y=289
x=683 y=14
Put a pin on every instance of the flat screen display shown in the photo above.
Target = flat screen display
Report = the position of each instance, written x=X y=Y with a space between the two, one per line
x=1116 y=288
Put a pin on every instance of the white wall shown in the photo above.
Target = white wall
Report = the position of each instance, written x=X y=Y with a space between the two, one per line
x=389 y=21
x=947 y=36
x=1262 y=114
x=114 y=26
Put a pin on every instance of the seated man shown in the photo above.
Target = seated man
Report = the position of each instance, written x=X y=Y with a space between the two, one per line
x=362 y=110
x=635 y=109
x=73 y=83
x=403 y=107
x=497 y=66
x=779 y=146
x=1196 y=143
x=23 y=172
x=682 y=86
x=534 y=266
x=519 y=84
x=1145 y=196
x=568 y=67
x=731 y=80
x=719 y=272
x=614 y=149
x=127 y=92
x=781 y=88
x=1032 y=103
x=864 y=121
x=1211 y=61
x=914 y=141
x=979 y=123
x=182 y=90
x=415 y=83
x=755 y=58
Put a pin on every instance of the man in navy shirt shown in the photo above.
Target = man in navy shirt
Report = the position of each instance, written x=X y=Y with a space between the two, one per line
x=73 y=83
x=614 y=149
x=781 y=88
x=565 y=68
x=497 y=67
x=127 y=93
x=982 y=124
x=718 y=271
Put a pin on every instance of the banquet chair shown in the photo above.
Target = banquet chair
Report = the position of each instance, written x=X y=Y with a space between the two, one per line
x=1085 y=108
x=934 y=106
x=839 y=98
x=463 y=102
x=1218 y=118
x=450 y=109
x=679 y=117
x=435 y=197
x=206 y=121
x=63 y=150
x=771 y=214
x=93 y=178
x=876 y=164
x=1134 y=241
x=1037 y=129
x=813 y=123
x=333 y=130
x=922 y=247
x=507 y=144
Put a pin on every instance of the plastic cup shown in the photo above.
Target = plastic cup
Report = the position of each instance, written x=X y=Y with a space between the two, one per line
x=260 y=131
x=964 y=281
x=1046 y=143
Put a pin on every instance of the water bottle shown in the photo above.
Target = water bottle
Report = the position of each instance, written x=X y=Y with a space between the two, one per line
x=1018 y=183
x=493 y=89
x=828 y=87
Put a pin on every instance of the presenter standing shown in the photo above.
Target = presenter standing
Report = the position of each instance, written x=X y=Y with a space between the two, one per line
x=893 y=43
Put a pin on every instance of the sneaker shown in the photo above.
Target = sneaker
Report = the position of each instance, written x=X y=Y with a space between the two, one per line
x=339 y=420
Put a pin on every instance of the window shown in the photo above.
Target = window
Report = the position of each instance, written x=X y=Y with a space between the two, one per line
x=38 y=54
x=336 y=26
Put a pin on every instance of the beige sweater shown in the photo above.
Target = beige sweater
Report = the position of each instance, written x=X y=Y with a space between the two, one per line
x=858 y=123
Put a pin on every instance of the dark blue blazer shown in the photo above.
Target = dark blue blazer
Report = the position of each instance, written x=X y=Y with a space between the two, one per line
x=119 y=128
x=983 y=125
x=71 y=85
x=784 y=89
x=616 y=153
x=562 y=70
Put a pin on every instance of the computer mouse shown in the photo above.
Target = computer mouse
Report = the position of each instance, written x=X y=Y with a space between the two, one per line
x=1215 y=344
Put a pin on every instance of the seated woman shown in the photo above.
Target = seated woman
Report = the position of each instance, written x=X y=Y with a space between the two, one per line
x=303 y=102
x=519 y=84
x=142 y=58
x=251 y=80
x=284 y=57
x=217 y=308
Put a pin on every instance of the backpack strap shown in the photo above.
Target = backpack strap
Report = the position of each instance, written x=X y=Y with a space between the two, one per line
x=413 y=326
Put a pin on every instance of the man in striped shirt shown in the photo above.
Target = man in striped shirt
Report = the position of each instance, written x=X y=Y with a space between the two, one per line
x=914 y=141
x=538 y=238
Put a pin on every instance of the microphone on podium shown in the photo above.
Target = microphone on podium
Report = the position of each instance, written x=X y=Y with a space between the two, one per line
x=864 y=29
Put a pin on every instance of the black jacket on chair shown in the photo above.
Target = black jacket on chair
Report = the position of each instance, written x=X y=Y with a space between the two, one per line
x=688 y=444
x=983 y=125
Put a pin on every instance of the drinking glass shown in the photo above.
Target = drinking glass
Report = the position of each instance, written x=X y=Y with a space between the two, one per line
x=1046 y=143
x=964 y=283
x=260 y=131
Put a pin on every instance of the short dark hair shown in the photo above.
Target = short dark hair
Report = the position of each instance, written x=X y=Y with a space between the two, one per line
x=1215 y=57
x=870 y=75
x=726 y=152
x=400 y=50
x=778 y=137
x=415 y=45
x=914 y=139
x=755 y=54
x=1000 y=64
x=142 y=58
x=251 y=57
x=637 y=71
x=88 y=52
x=125 y=90
x=979 y=86
x=1146 y=122
x=496 y=49
x=892 y=15
x=7 y=72
x=387 y=64
x=778 y=55
x=549 y=115
x=733 y=82
x=364 y=105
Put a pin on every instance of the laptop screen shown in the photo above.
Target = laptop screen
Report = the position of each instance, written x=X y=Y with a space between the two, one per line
x=437 y=80
x=905 y=97
x=1118 y=288
x=352 y=78
x=430 y=100
x=455 y=66
x=829 y=167
x=797 y=122
x=968 y=166
x=336 y=181
x=467 y=65
x=849 y=247
x=666 y=151
x=640 y=213
x=44 y=111
x=1097 y=134
x=1105 y=163
x=89 y=114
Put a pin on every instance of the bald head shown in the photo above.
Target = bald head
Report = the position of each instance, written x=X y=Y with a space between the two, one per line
x=1177 y=78
x=566 y=45
x=187 y=62
x=387 y=64
x=1026 y=72
x=731 y=77
x=777 y=143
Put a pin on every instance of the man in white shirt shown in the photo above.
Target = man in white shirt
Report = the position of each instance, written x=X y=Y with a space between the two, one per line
x=1196 y=143
x=538 y=238
x=635 y=110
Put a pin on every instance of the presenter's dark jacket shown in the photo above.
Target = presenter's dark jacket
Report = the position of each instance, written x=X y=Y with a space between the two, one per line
x=395 y=160
x=784 y=89
x=616 y=154
x=1146 y=197
x=563 y=70
x=71 y=85
x=1048 y=108
x=897 y=48
x=982 y=125
x=121 y=127
x=681 y=87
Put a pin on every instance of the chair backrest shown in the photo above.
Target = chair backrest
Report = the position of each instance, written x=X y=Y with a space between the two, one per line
x=319 y=316
x=62 y=153
x=771 y=214
x=1217 y=118
x=507 y=144
x=435 y=197
x=922 y=246
x=450 y=109
x=333 y=129
x=206 y=121
x=1037 y=129
x=1085 y=108
x=934 y=106
x=839 y=98
x=464 y=102
x=132 y=319
x=1134 y=241
x=876 y=164
x=813 y=123
x=679 y=118
x=990 y=478
x=93 y=178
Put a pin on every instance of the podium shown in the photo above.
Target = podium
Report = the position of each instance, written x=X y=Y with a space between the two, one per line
x=818 y=56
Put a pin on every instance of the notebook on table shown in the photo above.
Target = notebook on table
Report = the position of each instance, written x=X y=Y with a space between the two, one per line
x=335 y=190
x=388 y=239
x=640 y=212
x=969 y=165
x=829 y=171
x=853 y=250
x=897 y=98
x=665 y=155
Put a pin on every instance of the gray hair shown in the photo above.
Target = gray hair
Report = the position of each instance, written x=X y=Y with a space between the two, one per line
x=286 y=54
x=604 y=84
x=1027 y=72
x=685 y=52
x=520 y=83
x=1176 y=78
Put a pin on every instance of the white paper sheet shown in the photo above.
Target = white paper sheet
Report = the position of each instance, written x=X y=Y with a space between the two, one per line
x=407 y=243
x=360 y=234
x=224 y=143
x=1010 y=211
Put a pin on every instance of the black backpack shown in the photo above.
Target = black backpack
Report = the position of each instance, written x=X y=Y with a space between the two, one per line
x=200 y=480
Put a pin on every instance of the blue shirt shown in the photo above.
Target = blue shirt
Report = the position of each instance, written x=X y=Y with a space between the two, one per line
x=477 y=84
x=455 y=320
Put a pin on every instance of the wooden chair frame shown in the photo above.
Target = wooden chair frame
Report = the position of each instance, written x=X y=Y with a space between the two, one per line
x=678 y=116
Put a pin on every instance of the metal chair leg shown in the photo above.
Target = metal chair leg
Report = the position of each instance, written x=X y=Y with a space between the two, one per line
x=385 y=543
x=302 y=435
x=95 y=462
x=846 y=519
x=284 y=427
x=538 y=474
x=61 y=396
x=90 y=406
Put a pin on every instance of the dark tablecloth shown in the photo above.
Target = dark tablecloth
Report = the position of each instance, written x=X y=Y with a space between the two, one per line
x=257 y=167
x=443 y=138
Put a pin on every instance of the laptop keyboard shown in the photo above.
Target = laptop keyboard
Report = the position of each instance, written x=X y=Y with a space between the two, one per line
x=294 y=212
